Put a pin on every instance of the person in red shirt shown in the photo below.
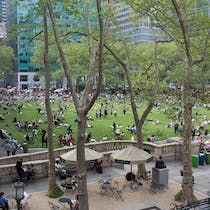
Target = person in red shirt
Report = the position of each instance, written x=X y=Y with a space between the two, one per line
x=70 y=140
x=176 y=127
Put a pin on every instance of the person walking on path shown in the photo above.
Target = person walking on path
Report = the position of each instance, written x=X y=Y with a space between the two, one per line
x=8 y=148
x=44 y=138
x=176 y=127
x=13 y=148
x=19 y=169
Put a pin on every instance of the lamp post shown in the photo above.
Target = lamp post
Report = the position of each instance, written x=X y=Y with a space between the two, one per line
x=18 y=192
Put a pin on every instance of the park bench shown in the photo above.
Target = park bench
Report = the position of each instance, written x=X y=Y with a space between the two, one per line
x=203 y=204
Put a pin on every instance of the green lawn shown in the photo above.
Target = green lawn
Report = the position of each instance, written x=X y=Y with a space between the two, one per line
x=100 y=127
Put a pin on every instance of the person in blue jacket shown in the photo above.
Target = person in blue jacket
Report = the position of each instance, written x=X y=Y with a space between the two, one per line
x=3 y=202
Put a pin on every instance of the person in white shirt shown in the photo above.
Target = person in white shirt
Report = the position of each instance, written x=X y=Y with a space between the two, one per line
x=24 y=202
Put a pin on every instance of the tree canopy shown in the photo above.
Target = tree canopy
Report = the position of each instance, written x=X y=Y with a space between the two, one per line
x=7 y=60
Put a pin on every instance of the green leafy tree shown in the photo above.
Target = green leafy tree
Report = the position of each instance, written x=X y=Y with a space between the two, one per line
x=188 y=27
x=77 y=56
x=145 y=69
x=7 y=60
x=87 y=99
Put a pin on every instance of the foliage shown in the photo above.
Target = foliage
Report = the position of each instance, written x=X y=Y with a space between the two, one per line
x=78 y=56
x=7 y=60
x=56 y=192
x=145 y=79
x=187 y=24
x=178 y=196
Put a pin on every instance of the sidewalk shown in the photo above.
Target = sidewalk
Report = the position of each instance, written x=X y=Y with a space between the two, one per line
x=143 y=197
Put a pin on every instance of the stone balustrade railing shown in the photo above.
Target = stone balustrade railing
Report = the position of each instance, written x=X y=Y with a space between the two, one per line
x=43 y=155
x=170 y=149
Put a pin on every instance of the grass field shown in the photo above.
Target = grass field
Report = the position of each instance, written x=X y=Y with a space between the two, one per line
x=100 y=127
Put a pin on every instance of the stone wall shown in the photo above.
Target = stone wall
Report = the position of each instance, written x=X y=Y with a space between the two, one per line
x=170 y=149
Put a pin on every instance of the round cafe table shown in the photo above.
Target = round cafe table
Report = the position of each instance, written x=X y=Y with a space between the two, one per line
x=66 y=201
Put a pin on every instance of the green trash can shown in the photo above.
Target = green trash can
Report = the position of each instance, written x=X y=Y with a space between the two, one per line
x=195 y=160
x=25 y=147
x=208 y=158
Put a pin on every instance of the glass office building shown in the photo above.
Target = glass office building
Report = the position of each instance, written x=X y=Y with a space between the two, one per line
x=26 y=44
x=137 y=33
x=141 y=32
x=29 y=27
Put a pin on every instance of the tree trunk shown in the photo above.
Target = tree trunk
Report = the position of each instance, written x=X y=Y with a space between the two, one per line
x=138 y=122
x=96 y=61
x=187 y=182
x=139 y=126
x=51 y=168
x=81 y=163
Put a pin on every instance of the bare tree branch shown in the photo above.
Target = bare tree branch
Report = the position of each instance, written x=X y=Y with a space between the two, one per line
x=184 y=28
x=62 y=55
x=103 y=28
x=93 y=58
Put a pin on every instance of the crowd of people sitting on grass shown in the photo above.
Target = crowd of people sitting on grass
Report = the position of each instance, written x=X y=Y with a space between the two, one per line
x=68 y=139
x=152 y=138
x=10 y=144
x=117 y=131
x=102 y=110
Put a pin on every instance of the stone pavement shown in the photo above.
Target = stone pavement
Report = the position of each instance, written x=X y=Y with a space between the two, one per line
x=201 y=175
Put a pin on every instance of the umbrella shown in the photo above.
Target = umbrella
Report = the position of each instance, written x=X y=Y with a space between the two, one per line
x=90 y=155
x=131 y=155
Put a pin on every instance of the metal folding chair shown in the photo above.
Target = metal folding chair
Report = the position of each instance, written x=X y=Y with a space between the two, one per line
x=52 y=206
x=116 y=191
x=104 y=187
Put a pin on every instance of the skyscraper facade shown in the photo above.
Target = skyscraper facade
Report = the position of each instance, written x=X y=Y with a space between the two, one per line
x=32 y=26
x=26 y=71
x=3 y=18
x=137 y=33
x=142 y=31
x=3 y=11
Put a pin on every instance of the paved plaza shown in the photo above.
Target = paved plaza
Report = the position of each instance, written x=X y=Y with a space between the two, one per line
x=201 y=187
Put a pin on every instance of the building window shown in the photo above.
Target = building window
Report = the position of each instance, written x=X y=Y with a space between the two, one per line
x=36 y=78
x=24 y=86
x=23 y=61
x=23 y=78
x=23 y=70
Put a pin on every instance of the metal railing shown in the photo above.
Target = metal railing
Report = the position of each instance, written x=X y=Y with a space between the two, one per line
x=195 y=205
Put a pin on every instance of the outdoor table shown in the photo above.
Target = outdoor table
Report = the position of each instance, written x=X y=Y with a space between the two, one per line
x=106 y=187
x=66 y=201
x=107 y=178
